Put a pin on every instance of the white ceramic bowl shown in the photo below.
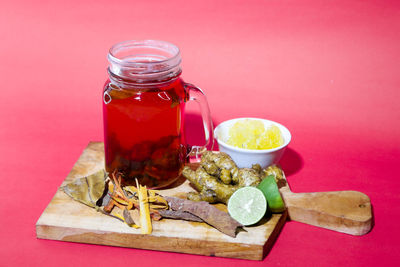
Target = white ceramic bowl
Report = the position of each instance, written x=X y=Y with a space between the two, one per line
x=244 y=158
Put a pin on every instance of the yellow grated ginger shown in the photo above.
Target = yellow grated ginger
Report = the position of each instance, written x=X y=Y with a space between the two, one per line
x=251 y=134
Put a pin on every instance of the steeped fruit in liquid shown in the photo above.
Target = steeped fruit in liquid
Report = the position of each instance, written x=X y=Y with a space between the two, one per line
x=144 y=132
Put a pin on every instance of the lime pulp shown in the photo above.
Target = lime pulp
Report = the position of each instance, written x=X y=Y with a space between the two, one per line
x=247 y=205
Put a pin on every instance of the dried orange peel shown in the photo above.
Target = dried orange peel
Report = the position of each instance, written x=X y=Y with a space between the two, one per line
x=145 y=221
x=148 y=202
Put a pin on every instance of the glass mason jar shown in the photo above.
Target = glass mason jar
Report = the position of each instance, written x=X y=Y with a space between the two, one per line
x=143 y=105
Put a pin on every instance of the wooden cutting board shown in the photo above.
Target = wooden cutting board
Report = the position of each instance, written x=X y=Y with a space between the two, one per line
x=348 y=212
x=68 y=220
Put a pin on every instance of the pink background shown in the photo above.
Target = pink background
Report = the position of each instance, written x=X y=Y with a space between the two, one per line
x=328 y=70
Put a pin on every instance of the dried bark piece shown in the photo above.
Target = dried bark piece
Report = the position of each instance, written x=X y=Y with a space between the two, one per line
x=110 y=205
x=127 y=217
x=208 y=213
x=179 y=215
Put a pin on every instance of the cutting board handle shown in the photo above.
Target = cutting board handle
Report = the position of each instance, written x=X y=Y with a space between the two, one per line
x=343 y=211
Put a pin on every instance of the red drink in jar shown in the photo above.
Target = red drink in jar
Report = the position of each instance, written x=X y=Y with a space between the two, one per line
x=143 y=105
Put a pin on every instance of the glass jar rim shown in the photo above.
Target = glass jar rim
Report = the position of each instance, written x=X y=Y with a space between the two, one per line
x=144 y=56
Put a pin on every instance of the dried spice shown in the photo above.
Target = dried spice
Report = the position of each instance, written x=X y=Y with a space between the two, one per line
x=148 y=202
x=145 y=221
x=127 y=217
x=208 y=213
x=88 y=189
x=179 y=215
x=111 y=198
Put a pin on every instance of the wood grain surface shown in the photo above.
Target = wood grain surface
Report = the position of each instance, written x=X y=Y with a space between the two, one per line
x=67 y=220
x=347 y=212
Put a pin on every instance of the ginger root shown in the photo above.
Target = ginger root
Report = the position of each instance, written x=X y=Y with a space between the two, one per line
x=218 y=177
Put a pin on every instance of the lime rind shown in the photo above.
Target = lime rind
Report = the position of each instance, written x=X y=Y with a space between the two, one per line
x=271 y=192
x=247 y=205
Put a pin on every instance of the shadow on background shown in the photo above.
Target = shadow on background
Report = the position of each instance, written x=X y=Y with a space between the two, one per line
x=291 y=162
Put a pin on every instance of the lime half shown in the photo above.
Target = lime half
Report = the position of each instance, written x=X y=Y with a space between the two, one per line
x=271 y=192
x=247 y=205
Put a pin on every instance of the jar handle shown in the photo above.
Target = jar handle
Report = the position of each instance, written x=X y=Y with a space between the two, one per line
x=196 y=94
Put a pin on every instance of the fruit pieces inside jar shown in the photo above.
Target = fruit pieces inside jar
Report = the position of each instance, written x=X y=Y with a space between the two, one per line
x=152 y=163
x=252 y=134
x=143 y=133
